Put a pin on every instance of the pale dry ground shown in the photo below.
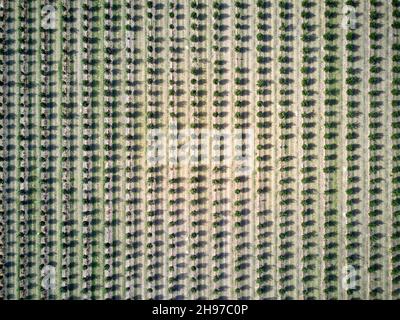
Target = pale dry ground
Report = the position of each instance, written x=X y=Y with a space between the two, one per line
x=274 y=174
x=269 y=202
x=340 y=183
x=298 y=151
x=139 y=44
x=251 y=59
x=279 y=152
x=186 y=172
x=344 y=166
x=216 y=196
x=164 y=24
x=209 y=57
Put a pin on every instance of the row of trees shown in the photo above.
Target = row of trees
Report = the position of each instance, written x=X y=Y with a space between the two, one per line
x=395 y=273
x=331 y=60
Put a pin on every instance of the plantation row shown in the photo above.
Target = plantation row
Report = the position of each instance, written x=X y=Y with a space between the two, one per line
x=199 y=149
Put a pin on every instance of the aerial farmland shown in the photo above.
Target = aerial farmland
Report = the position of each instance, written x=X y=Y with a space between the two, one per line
x=199 y=149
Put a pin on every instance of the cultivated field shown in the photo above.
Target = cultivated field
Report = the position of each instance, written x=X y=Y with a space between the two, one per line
x=200 y=149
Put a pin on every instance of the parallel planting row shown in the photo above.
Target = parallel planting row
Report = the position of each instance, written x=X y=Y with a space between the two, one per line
x=200 y=149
